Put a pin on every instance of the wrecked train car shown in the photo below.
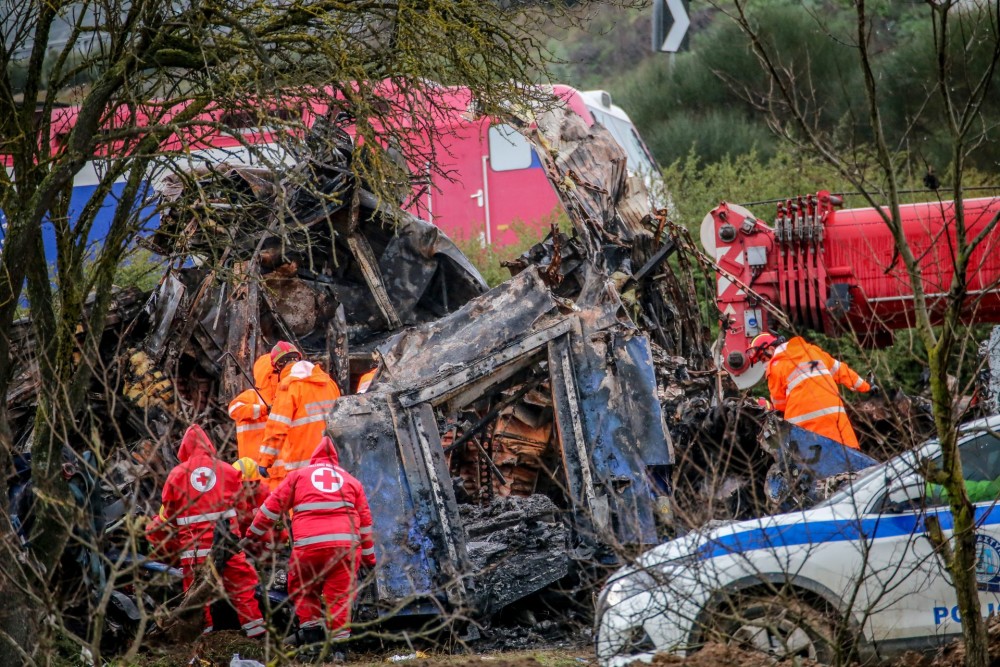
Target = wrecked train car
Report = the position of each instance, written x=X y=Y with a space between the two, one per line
x=508 y=443
x=546 y=414
x=509 y=435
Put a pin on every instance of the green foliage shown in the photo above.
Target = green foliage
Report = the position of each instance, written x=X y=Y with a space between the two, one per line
x=697 y=188
x=489 y=259
x=715 y=135
x=903 y=365
x=711 y=99
x=140 y=268
x=910 y=94
x=591 y=56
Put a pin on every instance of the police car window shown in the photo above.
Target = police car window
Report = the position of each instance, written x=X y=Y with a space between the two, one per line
x=980 y=469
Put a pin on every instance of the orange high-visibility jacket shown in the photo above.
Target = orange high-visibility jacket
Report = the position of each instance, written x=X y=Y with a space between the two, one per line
x=297 y=420
x=803 y=382
x=365 y=381
x=249 y=410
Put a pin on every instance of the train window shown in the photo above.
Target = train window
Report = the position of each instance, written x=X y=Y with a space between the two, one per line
x=509 y=150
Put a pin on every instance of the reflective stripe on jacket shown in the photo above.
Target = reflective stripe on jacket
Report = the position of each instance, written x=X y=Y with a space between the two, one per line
x=199 y=492
x=298 y=418
x=250 y=415
x=365 y=381
x=329 y=506
x=249 y=409
x=803 y=380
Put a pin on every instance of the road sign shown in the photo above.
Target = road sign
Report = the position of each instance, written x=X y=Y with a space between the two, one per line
x=670 y=25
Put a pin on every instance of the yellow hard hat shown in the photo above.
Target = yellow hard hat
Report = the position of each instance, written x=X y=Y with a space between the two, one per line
x=248 y=468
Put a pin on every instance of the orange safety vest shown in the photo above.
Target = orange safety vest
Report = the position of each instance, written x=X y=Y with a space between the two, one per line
x=803 y=382
x=249 y=410
x=365 y=381
x=297 y=420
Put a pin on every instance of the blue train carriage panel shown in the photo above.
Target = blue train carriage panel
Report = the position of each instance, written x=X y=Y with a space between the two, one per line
x=622 y=427
x=417 y=533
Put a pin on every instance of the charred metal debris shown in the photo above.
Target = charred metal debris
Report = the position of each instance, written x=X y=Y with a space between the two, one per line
x=511 y=436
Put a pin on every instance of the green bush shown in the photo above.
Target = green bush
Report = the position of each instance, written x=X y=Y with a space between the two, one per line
x=140 y=268
x=712 y=137
x=489 y=259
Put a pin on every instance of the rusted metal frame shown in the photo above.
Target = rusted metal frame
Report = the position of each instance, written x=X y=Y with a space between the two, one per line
x=492 y=414
x=337 y=349
x=174 y=291
x=285 y=331
x=421 y=429
x=665 y=251
x=488 y=459
x=661 y=217
x=241 y=337
x=365 y=257
x=485 y=366
x=569 y=425
x=189 y=324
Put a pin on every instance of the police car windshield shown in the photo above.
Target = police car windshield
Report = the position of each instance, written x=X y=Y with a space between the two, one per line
x=873 y=476
x=907 y=462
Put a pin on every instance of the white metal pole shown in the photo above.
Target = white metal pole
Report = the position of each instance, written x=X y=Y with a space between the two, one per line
x=486 y=200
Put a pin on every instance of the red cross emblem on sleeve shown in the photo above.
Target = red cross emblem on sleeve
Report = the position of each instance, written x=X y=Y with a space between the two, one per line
x=203 y=479
x=326 y=480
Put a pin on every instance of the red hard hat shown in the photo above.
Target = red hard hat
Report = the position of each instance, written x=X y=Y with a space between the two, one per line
x=283 y=349
x=760 y=343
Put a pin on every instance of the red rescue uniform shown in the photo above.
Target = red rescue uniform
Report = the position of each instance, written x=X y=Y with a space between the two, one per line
x=298 y=419
x=332 y=531
x=197 y=494
x=803 y=380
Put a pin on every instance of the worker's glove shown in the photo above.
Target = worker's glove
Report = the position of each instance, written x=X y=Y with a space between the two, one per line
x=874 y=390
x=263 y=472
x=253 y=547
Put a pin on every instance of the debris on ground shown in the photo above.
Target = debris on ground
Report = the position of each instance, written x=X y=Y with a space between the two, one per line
x=409 y=656
x=721 y=655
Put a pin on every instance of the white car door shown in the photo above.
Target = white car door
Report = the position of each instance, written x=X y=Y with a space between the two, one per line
x=906 y=597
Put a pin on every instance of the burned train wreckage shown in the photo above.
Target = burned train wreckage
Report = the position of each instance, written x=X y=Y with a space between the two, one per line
x=508 y=433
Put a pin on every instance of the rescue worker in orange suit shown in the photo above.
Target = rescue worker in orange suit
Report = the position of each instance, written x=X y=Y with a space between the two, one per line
x=250 y=408
x=803 y=380
x=332 y=533
x=198 y=493
x=298 y=415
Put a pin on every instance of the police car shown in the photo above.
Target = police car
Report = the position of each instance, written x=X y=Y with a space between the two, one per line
x=856 y=571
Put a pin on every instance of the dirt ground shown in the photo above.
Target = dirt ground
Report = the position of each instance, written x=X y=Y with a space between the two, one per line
x=218 y=649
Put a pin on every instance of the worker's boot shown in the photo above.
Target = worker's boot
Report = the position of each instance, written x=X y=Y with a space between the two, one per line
x=312 y=635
